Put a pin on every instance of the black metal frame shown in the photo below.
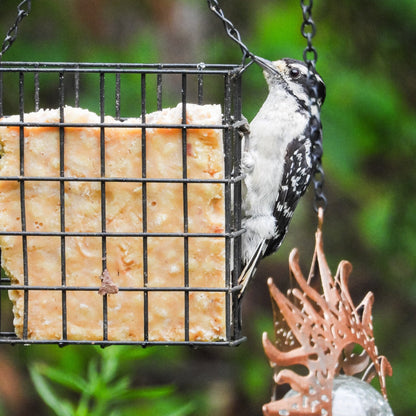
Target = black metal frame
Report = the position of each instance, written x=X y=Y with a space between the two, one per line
x=230 y=76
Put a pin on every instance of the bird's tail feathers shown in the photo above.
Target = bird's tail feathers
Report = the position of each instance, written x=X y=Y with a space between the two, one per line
x=251 y=267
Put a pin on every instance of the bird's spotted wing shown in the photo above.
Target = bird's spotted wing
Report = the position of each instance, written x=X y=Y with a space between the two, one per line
x=297 y=174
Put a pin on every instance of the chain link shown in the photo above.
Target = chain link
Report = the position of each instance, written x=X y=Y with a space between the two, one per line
x=310 y=56
x=308 y=30
x=232 y=32
x=23 y=9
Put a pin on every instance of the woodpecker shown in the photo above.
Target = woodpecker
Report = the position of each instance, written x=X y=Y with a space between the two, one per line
x=278 y=158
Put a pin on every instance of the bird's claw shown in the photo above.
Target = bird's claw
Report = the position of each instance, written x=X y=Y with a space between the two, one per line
x=242 y=126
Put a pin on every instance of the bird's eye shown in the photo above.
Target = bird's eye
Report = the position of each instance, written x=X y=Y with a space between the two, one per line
x=294 y=73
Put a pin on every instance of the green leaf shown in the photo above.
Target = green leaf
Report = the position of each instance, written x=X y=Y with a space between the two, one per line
x=111 y=392
x=59 y=406
x=71 y=381
x=115 y=412
x=83 y=406
x=94 y=383
x=155 y=392
x=185 y=410
x=109 y=368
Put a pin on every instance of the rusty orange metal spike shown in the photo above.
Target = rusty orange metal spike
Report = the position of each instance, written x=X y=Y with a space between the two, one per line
x=326 y=327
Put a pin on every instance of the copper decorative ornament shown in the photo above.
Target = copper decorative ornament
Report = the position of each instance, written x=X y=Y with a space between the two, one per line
x=319 y=331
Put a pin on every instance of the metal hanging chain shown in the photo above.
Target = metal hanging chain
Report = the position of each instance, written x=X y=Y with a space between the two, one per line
x=310 y=56
x=23 y=9
x=308 y=30
x=232 y=32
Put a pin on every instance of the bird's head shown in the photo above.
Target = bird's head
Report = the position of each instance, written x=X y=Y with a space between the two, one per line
x=292 y=75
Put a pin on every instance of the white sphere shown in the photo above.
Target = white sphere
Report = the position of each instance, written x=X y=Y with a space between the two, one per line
x=354 y=397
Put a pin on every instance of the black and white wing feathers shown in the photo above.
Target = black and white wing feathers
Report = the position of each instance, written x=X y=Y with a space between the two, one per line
x=297 y=174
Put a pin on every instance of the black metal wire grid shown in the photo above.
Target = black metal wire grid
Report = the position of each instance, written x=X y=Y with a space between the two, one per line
x=21 y=91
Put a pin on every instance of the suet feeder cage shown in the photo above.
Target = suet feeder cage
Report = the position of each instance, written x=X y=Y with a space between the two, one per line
x=86 y=256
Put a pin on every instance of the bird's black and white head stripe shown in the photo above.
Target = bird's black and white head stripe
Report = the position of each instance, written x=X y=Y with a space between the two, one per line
x=292 y=75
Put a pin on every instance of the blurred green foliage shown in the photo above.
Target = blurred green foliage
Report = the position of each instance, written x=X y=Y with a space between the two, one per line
x=103 y=386
x=367 y=58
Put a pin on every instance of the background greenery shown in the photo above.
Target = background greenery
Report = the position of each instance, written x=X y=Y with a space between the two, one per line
x=367 y=58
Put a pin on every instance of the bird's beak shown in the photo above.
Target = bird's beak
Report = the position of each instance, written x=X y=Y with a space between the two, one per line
x=266 y=65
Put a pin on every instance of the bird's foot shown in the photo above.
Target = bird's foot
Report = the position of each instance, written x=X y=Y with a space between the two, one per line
x=242 y=126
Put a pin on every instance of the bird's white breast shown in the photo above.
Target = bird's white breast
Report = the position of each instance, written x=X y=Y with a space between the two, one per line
x=277 y=123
